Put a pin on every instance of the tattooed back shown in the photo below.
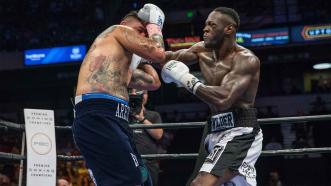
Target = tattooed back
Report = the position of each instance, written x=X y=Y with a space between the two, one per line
x=105 y=67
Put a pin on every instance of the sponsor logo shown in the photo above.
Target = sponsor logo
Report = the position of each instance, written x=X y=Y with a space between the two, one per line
x=222 y=121
x=172 y=65
x=247 y=170
x=190 y=84
x=41 y=143
x=316 y=32
x=75 y=53
x=214 y=155
x=159 y=21
x=35 y=57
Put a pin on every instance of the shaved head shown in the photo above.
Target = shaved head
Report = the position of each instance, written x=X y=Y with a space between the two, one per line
x=132 y=14
x=231 y=14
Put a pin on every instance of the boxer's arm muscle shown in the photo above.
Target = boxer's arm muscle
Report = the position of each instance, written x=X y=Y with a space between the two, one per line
x=158 y=39
x=145 y=78
x=187 y=56
x=183 y=55
x=145 y=47
x=233 y=85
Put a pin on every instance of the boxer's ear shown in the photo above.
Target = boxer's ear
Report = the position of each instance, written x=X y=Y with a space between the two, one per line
x=230 y=29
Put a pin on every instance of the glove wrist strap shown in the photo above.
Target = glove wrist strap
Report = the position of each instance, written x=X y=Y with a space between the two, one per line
x=195 y=86
x=190 y=82
x=153 y=29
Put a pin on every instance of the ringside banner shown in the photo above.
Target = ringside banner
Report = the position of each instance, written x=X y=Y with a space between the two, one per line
x=41 y=147
x=263 y=37
x=54 y=55
x=311 y=33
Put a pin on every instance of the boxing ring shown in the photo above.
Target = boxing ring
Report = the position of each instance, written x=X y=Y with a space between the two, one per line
x=6 y=125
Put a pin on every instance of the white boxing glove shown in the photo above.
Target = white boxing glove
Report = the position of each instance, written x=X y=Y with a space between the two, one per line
x=135 y=61
x=177 y=72
x=152 y=14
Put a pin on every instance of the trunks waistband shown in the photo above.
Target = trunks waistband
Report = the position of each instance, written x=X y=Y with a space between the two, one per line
x=102 y=104
x=87 y=96
x=231 y=119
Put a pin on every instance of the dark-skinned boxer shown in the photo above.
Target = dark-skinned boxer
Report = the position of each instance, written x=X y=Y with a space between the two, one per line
x=233 y=139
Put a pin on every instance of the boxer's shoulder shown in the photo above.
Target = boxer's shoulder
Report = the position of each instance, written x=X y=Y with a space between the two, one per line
x=107 y=31
x=199 y=48
x=246 y=60
x=114 y=29
x=243 y=52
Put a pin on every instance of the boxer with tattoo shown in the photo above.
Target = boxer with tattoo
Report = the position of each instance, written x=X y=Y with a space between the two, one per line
x=232 y=139
x=100 y=128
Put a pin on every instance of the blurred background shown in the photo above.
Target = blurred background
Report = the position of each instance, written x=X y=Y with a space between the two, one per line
x=43 y=42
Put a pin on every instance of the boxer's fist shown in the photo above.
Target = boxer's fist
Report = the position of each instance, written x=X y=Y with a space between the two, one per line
x=177 y=72
x=173 y=71
x=152 y=14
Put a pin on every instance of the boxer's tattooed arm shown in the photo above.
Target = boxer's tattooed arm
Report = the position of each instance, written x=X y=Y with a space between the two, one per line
x=147 y=44
x=146 y=77
x=142 y=46
x=140 y=79
x=144 y=81
x=159 y=39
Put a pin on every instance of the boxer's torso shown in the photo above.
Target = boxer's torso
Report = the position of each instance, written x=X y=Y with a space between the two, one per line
x=105 y=67
x=219 y=73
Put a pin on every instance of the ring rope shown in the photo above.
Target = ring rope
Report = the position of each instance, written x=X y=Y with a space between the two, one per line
x=295 y=119
x=264 y=121
x=10 y=156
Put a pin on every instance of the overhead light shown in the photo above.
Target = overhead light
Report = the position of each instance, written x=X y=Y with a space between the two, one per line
x=320 y=66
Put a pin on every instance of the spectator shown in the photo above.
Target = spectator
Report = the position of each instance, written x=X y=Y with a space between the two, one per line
x=320 y=130
x=273 y=144
x=274 y=179
x=63 y=182
x=4 y=180
x=8 y=174
x=147 y=140
x=300 y=142
x=82 y=172
x=318 y=106
x=324 y=85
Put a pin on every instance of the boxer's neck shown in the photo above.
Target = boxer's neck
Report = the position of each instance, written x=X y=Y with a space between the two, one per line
x=225 y=49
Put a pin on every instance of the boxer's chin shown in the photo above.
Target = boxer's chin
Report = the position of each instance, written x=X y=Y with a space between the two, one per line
x=209 y=44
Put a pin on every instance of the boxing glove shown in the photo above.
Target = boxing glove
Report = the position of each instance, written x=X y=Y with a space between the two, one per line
x=150 y=13
x=135 y=61
x=177 y=72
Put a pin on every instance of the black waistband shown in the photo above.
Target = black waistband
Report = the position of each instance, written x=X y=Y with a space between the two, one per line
x=231 y=119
